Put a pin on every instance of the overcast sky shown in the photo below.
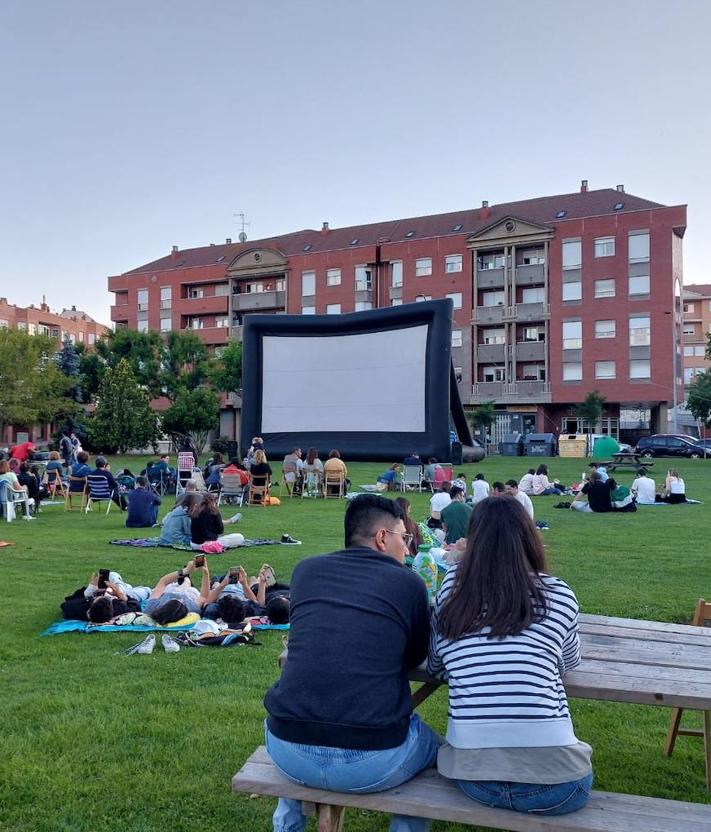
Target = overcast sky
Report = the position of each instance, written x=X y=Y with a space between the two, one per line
x=132 y=126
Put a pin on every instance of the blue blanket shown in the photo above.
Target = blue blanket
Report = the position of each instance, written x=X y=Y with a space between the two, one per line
x=85 y=627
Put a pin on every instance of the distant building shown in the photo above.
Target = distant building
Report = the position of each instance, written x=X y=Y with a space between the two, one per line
x=553 y=297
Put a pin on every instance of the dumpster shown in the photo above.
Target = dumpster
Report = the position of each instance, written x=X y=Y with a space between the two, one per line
x=511 y=444
x=574 y=445
x=539 y=444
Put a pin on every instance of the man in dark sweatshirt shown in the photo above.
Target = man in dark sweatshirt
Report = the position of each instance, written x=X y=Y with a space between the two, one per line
x=340 y=716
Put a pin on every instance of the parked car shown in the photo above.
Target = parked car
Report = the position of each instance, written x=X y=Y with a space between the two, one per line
x=667 y=444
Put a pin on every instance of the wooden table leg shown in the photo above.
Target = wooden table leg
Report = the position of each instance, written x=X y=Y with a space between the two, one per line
x=423 y=692
x=330 y=818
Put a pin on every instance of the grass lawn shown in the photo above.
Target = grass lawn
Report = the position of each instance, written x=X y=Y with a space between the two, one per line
x=93 y=740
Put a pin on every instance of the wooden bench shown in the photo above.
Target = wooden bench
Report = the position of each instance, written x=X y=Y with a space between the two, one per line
x=431 y=796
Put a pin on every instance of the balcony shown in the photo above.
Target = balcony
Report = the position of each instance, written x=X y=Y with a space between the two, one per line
x=207 y=305
x=251 y=301
x=532 y=311
x=490 y=353
x=487 y=390
x=395 y=292
x=363 y=294
x=538 y=391
x=530 y=275
x=490 y=279
x=520 y=392
x=488 y=314
x=211 y=335
x=530 y=351
x=119 y=312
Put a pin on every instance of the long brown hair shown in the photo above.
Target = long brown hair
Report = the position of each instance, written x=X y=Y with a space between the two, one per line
x=207 y=504
x=410 y=525
x=496 y=584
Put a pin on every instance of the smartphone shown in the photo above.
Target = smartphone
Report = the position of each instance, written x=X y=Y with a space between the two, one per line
x=234 y=574
x=199 y=561
x=181 y=576
x=103 y=578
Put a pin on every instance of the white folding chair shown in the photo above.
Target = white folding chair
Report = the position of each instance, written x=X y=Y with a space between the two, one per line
x=186 y=466
x=412 y=477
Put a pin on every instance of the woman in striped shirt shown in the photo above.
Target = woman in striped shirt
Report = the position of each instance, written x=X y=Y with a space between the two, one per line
x=503 y=634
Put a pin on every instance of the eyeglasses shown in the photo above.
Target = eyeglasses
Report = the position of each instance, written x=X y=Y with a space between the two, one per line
x=406 y=536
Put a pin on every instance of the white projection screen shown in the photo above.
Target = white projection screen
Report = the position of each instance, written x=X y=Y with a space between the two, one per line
x=375 y=385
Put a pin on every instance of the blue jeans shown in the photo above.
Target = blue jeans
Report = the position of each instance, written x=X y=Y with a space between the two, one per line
x=531 y=798
x=352 y=771
x=552 y=490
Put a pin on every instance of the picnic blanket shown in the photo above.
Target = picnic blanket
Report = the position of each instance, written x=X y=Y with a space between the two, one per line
x=689 y=502
x=78 y=626
x=154 y=542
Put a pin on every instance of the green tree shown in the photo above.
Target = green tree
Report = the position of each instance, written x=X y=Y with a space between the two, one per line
x=69 y=363
x=193 y=414
x=591 y=408
x=226 y=371
x=142 y=350
x=699 y=398
x=482 y=419
x=185 y=363
x=123 y=419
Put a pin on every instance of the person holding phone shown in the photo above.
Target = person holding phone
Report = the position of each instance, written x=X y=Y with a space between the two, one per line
x=104 y=597
x=178 y=586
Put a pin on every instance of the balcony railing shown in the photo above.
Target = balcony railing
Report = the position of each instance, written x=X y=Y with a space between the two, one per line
x=512 y=393
x=250 y=301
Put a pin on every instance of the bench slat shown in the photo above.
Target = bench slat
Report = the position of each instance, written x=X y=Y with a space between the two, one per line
x=701 y=636
x=639 y=624
x=429 y=795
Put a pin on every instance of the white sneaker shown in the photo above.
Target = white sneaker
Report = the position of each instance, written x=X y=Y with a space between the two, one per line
x=170 y=645
x=143 y=647
x=29 y=517
x=235 y=518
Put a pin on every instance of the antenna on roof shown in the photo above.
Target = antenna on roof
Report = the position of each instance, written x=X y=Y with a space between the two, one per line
x=242 y=236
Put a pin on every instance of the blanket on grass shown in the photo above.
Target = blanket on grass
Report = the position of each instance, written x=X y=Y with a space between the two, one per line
x=153 y=542
x=60 y=627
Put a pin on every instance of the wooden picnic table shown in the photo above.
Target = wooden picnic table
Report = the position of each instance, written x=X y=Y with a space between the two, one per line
x=628 y=459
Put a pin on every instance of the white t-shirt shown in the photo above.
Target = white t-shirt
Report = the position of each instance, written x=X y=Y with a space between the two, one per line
x=525 y=501
x=644 y=489
x=676 y=486
x=480 y=491
x=439 y=501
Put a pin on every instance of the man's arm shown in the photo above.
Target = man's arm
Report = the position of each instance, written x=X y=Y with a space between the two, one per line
x=416 y=650
x=170 y=578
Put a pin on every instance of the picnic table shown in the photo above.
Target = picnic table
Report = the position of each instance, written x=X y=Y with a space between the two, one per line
x=629 y=459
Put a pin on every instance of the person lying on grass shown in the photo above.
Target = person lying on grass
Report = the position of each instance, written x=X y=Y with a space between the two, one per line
x=260 y=596
x=177 y=586
x=101 y=604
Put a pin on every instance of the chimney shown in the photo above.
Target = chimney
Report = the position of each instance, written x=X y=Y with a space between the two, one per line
x=174 y=253
x=228 y=240
x=620 y=188
x=74 y=309
x=324 y=228
x=484 y=213
x=3 y=301
x=44 y=307
x=583 y=186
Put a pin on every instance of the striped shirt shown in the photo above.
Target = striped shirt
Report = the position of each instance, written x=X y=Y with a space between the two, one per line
x=508 y=692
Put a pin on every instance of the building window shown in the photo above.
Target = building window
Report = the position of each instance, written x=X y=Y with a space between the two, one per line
x=81 y=337
x=690 y=373
x=572 y=335
x=688 y=307
x=222 y=289
x=640 y=332
x=639 y=369
x=688 y=350
x=333 y=277
x=308 y=310
x=166 y=324
x=196 y=294
x=333 y=309
x=363 y=306
x=533 y=333
x=573 y=291
x=456 y=298
x=32 y=329
x=572 y=254
x=572 y=371
x=222 y=323
x=4 y=324
x=423 y=266
x=700 y=351
x=533 y=257
x=166 y=297
x=92 y=338
x=492 y=298
x=494 y=374
x=689 y=330
x=396 y=302
x=253 y=288
x=494 y=336
x=535 y=295
x=639 y=285
x=20 y=324
x=396 y=274
x=604 y=369
x=456 y=337
x=605 y=329
x=142 y=326
x=453 y=263
x=534 y=372
x=604 y=288
x=308 y=283
x=422 y=298
x=197 y=323
x=142 y=300
x=605 y=247
x=490 y=261
x=362 y=279
x=458 y=375
x=638 y=247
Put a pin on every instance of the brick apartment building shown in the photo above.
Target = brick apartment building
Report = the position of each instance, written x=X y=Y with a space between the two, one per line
x=40 y=320
x=697 y=326
x=553 y=297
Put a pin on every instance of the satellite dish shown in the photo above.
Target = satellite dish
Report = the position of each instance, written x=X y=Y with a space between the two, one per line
x=242 y=237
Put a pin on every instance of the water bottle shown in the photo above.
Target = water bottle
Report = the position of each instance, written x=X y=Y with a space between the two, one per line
x=425 y=566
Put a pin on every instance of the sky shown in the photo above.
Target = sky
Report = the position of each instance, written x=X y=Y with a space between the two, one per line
x=129 y=127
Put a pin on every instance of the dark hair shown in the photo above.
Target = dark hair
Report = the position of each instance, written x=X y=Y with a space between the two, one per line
x=498 y=486
x=141 y=482
x=164 y=456
x=101 y=609
x=217 y=458
x=127 y=472
x=188 y=499
x=446 y=487
x=82 y=456
x=542 y=469
x=511 y=483
x=278 y=609
x=172 y=610
x=237 y=462
x=479 y=476
x=641 y=472
x=334 y=454
x=461 y=474
x=365 y=514
x=25 y=467
x=496 y=583
x=595 y=476
x=311 y=456
x=100 y=461
x=455 y=491
x=593 y=464
x=207 y=503
x=230 y=609
x=531 y=471
x=611 y=484
x=403 y=504
x=432 y=460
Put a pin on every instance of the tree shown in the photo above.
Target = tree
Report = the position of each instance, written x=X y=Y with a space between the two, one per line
x=482 y=418
x=591 y=408
x=193 y=414
x=185 y=363
x=699 y=398
x=123 y=419
x=142 y=350
x=226 y=372
x=69 y=363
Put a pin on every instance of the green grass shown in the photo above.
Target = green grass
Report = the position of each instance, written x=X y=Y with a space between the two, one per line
x=94 y=740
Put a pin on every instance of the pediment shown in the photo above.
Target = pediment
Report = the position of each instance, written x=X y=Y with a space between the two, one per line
x=257 y=260
x=512 y=230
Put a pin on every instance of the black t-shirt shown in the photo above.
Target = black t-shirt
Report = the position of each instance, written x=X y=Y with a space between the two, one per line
x=75 y=606
x=359 y=622
x=598 y=494
x=206 y=526
x=260 y=472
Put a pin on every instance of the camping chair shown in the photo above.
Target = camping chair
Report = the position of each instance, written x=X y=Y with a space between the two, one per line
x=231 y=488
x=186 y=466
x=55 y=485
x=334 y=486
x=158 y=479
x=412 y=478
x=702 y=617
x=258 y=491
x=98 y=489
x=76 y=487
x=441 y=475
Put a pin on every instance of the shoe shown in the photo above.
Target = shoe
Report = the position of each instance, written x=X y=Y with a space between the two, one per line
x=269 y=574
x=287 y=538
x=29 y=517
x=235 y=518
x=143 y=647
x=170 y=645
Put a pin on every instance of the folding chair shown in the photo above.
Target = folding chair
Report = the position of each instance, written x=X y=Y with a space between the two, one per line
x=75 y=488
x=441 y=475
x=289 y=479
x=231 y=488
x=157 y=479
x=312 y=485
x=55 y=485
x=186 y=466
x=258 y=491
x=702 y=617
x=333 y=486
x=98 y=489
x=412 y=477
